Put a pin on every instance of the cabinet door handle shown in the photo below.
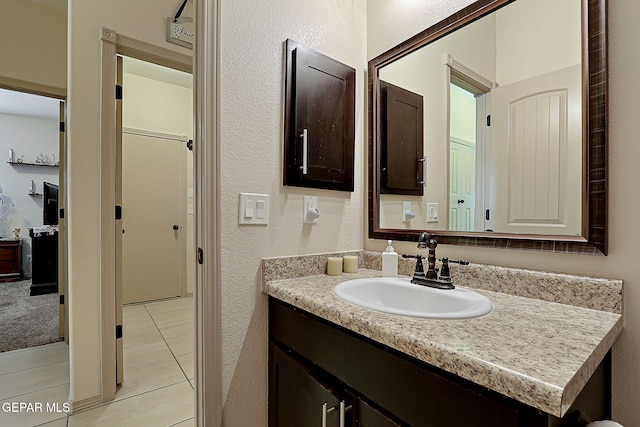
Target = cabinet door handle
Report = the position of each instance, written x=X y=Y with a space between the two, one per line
x=424 y=171
x=325 y=411
x=304 y=136
x=343 y=410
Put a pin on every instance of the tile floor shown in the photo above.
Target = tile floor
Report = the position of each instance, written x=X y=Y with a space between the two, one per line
x=158 y=385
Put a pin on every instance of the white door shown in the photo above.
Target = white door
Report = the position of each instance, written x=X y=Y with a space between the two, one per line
x=462 y=182
x=535 y=187
x=153 y=186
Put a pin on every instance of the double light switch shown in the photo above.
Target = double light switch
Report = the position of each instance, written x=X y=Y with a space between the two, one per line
x=254 y=209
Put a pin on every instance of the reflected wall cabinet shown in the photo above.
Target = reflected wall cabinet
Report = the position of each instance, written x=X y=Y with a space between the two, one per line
x=319 y=123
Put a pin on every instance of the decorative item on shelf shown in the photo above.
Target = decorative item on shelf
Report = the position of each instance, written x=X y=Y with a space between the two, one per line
x=20 y=159
x=11 y=155
x=54 y=162
x=32 y=187
x=40 y=159
x=16 y=233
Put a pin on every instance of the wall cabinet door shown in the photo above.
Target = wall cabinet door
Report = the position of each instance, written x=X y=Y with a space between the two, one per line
x=401 y=141
x=319 y=120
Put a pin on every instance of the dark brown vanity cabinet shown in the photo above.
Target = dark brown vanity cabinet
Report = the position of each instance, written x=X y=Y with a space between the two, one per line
x=312 y=362
x=319 y=123
x=401 y=141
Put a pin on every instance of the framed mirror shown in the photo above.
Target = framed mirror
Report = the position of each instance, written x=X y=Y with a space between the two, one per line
x=498 y=115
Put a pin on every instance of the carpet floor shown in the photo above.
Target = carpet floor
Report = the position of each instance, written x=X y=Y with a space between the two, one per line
x=26 y=321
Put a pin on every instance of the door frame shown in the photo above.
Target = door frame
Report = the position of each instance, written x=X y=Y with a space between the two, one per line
x=208 y=384
x=60 y=95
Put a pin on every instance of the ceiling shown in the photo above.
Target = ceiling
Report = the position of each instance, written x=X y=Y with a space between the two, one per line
x=26 y=104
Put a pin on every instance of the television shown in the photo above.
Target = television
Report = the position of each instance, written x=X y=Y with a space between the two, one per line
x=49 y=203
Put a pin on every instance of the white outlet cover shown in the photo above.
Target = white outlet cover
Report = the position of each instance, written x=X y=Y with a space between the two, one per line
x=309 y=202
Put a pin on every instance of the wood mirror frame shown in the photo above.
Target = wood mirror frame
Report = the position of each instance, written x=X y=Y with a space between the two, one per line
x=593 y=239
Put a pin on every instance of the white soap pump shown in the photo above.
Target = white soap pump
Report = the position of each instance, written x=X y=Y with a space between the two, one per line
x=389 y=261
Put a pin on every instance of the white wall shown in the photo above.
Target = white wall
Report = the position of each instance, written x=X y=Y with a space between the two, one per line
x=33 y=43
x=86 y=17
x=251 y=98
x=549 y=47
x=28 y=137
x=624 y=228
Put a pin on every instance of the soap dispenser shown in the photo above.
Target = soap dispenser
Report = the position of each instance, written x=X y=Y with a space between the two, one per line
x=389 y=262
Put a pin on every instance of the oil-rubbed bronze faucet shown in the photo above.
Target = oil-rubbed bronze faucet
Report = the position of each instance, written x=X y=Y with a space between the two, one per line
x=430 y=278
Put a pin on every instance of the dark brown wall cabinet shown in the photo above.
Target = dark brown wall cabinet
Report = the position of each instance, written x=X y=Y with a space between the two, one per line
x=313 y=362
x=401 y=131
x=319 y=123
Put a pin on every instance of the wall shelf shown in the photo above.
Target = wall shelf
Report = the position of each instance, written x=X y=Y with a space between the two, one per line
x=32 y=164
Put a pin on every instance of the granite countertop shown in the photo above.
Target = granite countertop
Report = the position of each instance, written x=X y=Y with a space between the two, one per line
x=538 y=352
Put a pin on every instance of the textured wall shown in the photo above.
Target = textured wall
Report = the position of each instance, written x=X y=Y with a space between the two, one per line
x=84 y=82
x=624 y=228
x=251 y=96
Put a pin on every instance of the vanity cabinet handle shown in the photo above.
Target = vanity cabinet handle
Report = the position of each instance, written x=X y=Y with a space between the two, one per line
x=304 y=136
x=325 y=411
x=343 y=410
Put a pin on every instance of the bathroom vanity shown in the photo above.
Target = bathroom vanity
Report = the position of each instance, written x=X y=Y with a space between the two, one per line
x=529 y=363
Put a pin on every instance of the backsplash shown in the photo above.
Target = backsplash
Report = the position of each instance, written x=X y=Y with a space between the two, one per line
x=579 y=291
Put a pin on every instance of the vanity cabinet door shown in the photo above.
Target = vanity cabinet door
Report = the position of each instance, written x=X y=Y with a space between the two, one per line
x=319 y=120
x=301 y=396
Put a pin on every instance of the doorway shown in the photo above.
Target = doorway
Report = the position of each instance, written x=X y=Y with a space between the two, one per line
x=155 y=193
x=30 y=133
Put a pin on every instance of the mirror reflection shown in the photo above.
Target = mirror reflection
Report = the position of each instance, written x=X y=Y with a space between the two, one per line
x=481 y=130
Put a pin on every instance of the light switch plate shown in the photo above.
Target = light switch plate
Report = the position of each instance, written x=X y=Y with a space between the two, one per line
x=253 y=209
x=432 y=212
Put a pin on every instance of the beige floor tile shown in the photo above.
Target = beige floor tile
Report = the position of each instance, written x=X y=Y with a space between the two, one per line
x=173 y=330
x=169 y=305
x=186 y=363
x=162 y=407
x=181 y=345
x=140 y=336
x=151 y=376
x=183 y=315
x=51 y=408
x=145 y=353
x=187 y=423
x=62 y=422
x=18 y=360
x=137 y=322
x=133 y=310
x=31 y=380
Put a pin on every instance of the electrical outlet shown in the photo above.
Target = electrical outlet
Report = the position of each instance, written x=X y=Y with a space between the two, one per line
x=28 y=259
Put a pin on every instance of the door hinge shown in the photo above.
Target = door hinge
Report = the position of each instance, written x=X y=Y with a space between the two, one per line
x=487 y=214
x=61 y=126
x=190 y=144
x=118 y=331
x=489 y=120
x=61 y=299
x=118 y=212
x=61 y=213
x=118 y=92
x=200 y=256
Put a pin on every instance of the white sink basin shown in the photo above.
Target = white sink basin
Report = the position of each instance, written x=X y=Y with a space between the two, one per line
x=400 y=296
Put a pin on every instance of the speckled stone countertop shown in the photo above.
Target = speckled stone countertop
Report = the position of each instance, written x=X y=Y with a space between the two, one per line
x=538 y=352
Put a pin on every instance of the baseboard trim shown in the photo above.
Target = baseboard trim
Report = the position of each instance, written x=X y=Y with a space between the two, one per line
x=84 y=404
